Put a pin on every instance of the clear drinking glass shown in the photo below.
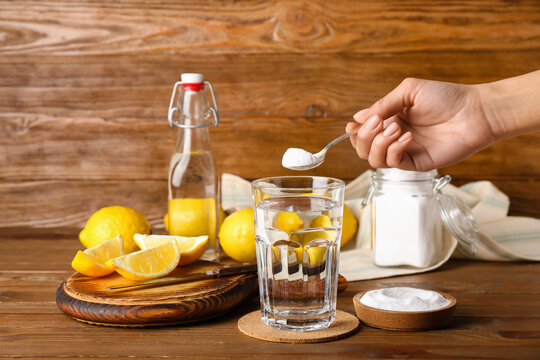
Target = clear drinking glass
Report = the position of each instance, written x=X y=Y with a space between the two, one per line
x=298 y=223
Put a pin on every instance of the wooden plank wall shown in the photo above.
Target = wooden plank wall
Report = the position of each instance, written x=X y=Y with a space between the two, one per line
x=85 y=85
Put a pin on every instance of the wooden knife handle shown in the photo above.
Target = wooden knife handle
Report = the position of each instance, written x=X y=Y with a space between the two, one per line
x=226 y=270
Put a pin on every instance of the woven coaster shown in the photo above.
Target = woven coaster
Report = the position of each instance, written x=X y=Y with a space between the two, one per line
x=344 y=325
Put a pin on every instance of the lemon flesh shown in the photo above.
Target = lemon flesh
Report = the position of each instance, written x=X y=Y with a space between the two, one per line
x=191 y=248
x=237 y=236
x=112 y=221
x=92 y=262
x=148 y=264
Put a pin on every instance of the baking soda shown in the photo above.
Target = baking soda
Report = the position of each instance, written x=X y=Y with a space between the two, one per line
x=295 y=157
x=406 y=225
x=404 y=299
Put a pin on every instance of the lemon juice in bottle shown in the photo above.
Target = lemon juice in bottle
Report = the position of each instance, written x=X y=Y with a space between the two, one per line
x=193 y=186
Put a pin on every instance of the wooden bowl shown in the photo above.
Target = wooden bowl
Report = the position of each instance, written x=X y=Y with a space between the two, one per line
x=404 y=320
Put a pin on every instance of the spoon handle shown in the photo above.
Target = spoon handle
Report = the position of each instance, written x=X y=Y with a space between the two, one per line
x=336 y=140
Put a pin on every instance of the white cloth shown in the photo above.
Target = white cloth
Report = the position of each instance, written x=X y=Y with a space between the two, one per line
x=501 y=237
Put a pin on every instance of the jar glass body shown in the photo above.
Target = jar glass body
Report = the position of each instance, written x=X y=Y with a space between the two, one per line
x=407 y=229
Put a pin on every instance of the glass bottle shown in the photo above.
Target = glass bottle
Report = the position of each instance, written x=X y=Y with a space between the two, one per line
x=193 y=208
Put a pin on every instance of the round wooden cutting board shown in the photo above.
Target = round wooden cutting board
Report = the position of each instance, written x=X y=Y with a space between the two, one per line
x=87 y=299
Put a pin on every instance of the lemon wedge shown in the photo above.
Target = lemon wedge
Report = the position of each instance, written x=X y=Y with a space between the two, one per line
x=92 y=262
x=148 y=264
x=191 y=248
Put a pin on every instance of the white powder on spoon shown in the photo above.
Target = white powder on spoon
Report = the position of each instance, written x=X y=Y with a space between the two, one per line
x=404 y=299
x=295 y=157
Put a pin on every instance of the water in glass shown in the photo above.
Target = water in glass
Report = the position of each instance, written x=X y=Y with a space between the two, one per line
x=298 y=270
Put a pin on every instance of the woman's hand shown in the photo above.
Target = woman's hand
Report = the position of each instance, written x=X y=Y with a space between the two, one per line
x=422 y=125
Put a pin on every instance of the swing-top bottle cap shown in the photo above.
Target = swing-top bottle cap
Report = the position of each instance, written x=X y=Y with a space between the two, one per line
x=192 y=78
x=192 y=81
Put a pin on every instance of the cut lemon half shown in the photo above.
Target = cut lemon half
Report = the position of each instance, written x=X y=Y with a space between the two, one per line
x=148 y=264
x=191 y=248
x=92 y=262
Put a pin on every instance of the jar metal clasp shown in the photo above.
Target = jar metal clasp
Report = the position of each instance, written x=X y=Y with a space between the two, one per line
x=441 y=182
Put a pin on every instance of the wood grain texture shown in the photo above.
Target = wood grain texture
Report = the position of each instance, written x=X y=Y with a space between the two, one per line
x=87 y=299
x=63 y=207
x=216 y=27
x=100 y=150
x=498 y=314
x=84 y=89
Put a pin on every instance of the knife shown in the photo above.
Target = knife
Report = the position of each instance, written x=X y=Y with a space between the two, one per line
x=217 y=272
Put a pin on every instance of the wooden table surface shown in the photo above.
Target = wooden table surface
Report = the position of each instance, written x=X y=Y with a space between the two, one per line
x=84 y=90
x=497 y=316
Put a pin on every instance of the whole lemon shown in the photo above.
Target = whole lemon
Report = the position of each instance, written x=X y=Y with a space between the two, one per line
x=176 y=207
x=322 y=221
x=237 y=235
x=349 y=227
x=112 y=221
x=288 y=222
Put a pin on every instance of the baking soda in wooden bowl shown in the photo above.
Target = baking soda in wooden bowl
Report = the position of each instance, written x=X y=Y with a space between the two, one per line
x=404 y=299
x=404 y=308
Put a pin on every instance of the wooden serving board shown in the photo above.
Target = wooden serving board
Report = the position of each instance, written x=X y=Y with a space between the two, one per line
x=87 y=299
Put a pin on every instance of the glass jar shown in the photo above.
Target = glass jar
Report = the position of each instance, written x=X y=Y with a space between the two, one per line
x=406 y=225
x=408 y=212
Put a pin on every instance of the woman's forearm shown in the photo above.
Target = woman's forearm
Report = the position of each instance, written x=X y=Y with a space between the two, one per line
x=512 y=106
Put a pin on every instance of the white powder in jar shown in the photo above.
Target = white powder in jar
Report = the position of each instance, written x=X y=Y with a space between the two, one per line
x=404 y=299
x=406 y=225
x=295 y=157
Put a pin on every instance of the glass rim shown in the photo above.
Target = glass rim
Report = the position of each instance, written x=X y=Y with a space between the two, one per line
x=337 y=183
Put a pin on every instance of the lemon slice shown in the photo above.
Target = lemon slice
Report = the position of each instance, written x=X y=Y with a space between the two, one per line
x=92 y=262
x=148 y=264
x=191 y=248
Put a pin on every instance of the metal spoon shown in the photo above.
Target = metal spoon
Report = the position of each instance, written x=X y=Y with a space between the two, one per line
x=318 y=158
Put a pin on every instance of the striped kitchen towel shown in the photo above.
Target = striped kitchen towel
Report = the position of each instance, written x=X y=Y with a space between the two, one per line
x=501 y=237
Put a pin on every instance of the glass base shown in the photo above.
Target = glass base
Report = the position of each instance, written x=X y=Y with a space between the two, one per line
x=298 y=322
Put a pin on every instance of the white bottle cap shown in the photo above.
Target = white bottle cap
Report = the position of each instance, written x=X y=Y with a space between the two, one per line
x=192 y=78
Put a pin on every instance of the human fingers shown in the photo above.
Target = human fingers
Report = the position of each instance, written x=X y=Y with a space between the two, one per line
x=365 y=135
x=350 y=127
x=400 y=97
x=396 y=156
x=381 y=142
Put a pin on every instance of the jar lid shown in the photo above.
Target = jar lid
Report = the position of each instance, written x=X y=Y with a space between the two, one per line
x=457 y=216
x=393 y=174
